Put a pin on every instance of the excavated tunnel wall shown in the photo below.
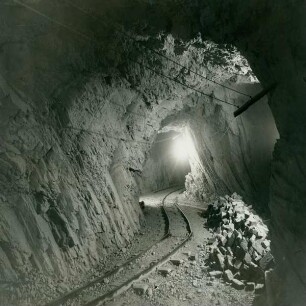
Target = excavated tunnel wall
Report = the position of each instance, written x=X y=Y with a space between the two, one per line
x=230 y=154
x=77 y=123
x=68 y=196
x=68 y=188
x=65 y=201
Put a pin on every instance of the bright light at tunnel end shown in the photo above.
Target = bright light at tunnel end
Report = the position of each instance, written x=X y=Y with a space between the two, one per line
x=180 y=148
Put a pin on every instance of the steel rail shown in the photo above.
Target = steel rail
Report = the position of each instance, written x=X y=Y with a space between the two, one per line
x=100 y=300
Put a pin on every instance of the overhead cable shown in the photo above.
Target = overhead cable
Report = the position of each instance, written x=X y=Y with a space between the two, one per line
x=156 y=52
x=185 y=85
x=132 y=60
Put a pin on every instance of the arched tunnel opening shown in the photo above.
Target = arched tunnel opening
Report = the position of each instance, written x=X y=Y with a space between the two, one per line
x=168 y=162
x=152 y=153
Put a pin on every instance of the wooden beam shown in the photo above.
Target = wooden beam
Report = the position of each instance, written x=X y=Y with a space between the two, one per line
x=253 y=100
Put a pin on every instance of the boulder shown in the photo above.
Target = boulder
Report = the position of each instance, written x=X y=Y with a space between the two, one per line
x=176 y=262
x=237 y=264
x=259 y=288
x=250 y=286
x=237 y=284
x=230 y=239
x=229 y=262
x=247 y=258
x=244 y=245
x=258 y=248
x=265 y=244
x=220 y=261
x=228 y=275
x=267 y=261
x=140 y=288
x=164 y=271
x=215 y=273
x=192 y=257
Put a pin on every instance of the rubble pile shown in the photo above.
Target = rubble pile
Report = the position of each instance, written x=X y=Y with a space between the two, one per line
x=239 y=250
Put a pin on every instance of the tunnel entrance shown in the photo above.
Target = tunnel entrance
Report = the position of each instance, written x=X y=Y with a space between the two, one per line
x=167 y=164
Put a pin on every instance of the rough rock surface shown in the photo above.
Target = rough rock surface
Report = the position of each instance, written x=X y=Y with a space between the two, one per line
x=58 y=83
x=190 y=282
x=240 y=248
x=70 y=154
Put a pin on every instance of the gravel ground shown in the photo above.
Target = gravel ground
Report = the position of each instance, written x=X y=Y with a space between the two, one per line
x=189 y=283
x=186 y=284
x=38 y=289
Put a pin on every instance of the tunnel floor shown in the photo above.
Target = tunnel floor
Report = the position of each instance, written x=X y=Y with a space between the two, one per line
x=186 y=284
x=170 y=283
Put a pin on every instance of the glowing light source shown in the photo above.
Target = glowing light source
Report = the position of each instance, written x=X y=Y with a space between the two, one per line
x=180 y=150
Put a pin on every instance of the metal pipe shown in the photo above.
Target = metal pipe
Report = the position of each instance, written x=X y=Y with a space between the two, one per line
x=253 y=100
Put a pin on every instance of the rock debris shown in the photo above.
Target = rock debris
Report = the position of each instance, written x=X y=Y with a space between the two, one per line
x=239 y=249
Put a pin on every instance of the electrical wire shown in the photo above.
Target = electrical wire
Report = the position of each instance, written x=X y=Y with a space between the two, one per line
x=192 y=71
x=185 y=85
x=154 y=51
x=98 y=43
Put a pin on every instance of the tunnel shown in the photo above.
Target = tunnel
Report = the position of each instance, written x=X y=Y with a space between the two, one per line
x=126 y=175
x=167 y=163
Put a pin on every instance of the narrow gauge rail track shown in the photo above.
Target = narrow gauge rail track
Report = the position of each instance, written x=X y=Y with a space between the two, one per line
x=112 y=290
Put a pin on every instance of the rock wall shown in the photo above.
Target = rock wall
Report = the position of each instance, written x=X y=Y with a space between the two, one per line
x=71 y=148
x=227 y=153
x=234 y=153
x=69 y=165
x=63 y=205
x=70 y=168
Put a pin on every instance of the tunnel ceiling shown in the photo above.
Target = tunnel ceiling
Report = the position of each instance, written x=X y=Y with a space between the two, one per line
x=71 y=41
x=80 y=41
